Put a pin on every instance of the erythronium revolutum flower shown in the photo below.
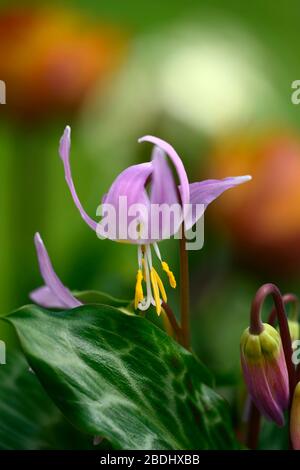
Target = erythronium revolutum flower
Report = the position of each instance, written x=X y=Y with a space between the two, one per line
x=265 y=372
x=132 y=184
x=53 y=294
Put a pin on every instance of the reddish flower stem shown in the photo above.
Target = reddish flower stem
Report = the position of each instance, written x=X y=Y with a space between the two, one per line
x=256 y=325
x=287 y=299
x=173 y=321
x=253 y=427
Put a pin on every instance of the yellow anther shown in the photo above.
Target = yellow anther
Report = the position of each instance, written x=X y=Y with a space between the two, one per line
x=139 y=295
x=155 y=290
x=169 y=273
x=160 y=286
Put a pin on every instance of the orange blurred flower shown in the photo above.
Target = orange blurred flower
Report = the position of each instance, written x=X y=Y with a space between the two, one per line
x=51 y=59
x=264 y=217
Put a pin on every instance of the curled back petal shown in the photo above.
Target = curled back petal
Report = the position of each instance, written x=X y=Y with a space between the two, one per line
x=45 y=297
x=165 y=196
x=64 y=152
x=163 y=187
x=205 y=192
x=52 y=282
x=177 y=162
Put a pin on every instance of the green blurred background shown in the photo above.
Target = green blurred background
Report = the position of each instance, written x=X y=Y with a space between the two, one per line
x=213 y=78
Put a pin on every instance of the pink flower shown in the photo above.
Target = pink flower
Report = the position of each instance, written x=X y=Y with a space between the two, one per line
x=146 y=185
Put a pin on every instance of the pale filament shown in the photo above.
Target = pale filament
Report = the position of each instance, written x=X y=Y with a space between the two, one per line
x=146 y=302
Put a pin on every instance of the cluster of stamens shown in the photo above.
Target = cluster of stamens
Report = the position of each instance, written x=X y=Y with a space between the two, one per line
x=155 y=291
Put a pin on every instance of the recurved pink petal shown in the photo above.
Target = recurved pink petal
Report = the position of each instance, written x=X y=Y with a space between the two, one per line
x=45 y=297
x=64 y=152
x=59 y=293
x=177 y=162
x=205 y=192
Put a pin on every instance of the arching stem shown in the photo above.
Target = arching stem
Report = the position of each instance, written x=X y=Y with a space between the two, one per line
x=287 y=299
x=256 y=325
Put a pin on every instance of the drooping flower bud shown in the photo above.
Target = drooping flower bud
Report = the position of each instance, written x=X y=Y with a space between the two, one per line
x=295 y=419
x=265 y=372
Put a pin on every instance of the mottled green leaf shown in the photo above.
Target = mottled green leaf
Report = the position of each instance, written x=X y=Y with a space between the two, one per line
x=121 y=377
x=28 y=418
